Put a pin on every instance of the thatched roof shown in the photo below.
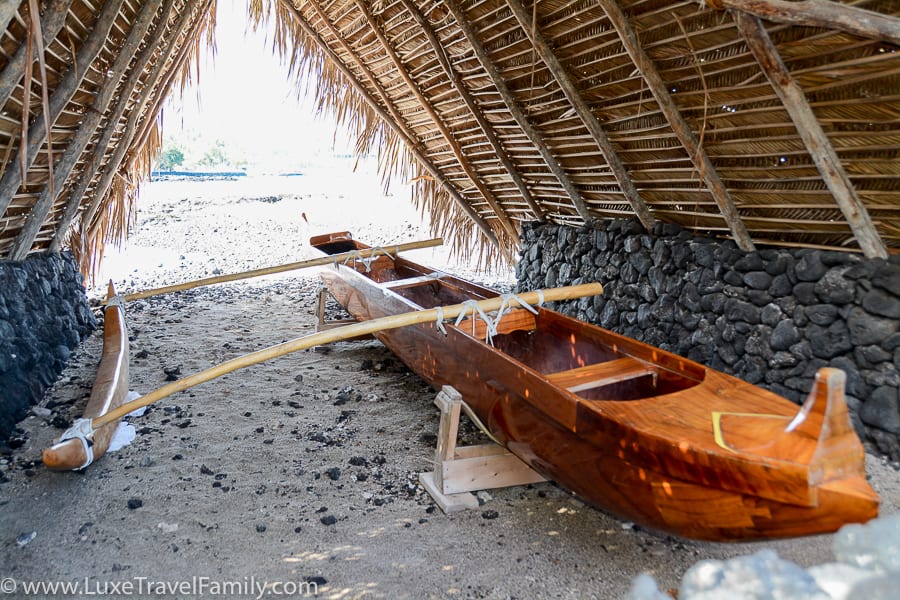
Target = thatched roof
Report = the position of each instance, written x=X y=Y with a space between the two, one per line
x=763 y=121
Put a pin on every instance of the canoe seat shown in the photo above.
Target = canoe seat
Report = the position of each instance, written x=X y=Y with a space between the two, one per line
x=398 y=284
x=600 y=374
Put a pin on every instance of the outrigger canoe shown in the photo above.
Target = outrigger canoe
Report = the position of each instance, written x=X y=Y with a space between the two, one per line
x=642 y=433
x=80 y=445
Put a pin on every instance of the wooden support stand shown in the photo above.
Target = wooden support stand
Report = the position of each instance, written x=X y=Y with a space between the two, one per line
x=323 y=324
x=459 y=470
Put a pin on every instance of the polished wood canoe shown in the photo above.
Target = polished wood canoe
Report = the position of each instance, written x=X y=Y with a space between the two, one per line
x=79 y=446
x=642 y=433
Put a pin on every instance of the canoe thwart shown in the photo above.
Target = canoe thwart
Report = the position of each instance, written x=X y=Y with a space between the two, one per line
x=601 y=374
x=459 y=470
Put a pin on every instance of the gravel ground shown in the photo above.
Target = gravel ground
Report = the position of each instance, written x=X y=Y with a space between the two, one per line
x=301 y=472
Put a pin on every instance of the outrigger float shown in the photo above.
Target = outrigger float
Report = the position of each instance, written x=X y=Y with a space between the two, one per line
x=642 y=433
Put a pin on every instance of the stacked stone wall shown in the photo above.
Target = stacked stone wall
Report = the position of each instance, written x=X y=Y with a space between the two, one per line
x=44 y=315
x=771 y=317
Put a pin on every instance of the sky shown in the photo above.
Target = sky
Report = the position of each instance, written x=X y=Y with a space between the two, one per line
x=246 y=99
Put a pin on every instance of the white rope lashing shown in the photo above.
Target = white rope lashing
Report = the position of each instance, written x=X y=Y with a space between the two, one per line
x=83 y=431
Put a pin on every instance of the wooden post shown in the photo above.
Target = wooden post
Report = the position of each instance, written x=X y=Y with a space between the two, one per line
x=459 y=470
x=680 y=127
x=412 y=144
x=68 y=85
x=473 y=107
x=810 y=131
x=820 y=13
x=52 y=22
x=473 y=176
x=568 y=88
x=76 y=145
x=516 y=111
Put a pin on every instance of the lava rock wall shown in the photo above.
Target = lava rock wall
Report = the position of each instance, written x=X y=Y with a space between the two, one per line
x=771 y=317
x=44 y=314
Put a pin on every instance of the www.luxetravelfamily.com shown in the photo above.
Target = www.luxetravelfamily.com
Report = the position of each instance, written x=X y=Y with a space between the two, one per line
x=142 y=587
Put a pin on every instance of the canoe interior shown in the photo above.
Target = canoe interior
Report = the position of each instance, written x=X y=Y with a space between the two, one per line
x=546 y=347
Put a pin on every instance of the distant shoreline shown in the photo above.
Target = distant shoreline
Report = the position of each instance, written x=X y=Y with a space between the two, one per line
x=207 y=175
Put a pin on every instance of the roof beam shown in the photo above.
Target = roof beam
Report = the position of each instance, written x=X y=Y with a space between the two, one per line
x=398 y=127
x=680 y=127
x=820 y=13
x=82 y=137
x=367 y=73
x=52 y=22
x=90 y=221
x=473 y=107
x=812 y=134
x=516 y=111
x=470 y=172
x=68 y=85
x=583 y=111
x=94 y=163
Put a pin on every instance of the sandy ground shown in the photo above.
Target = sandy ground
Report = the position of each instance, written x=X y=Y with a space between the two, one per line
x=302 y=471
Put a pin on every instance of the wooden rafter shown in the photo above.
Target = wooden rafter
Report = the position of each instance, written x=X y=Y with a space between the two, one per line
x=37 y=133
x=366 y=72
x=461 y=159
x=516 y=111
x=82 y=137
x=112 y=122
x=473 y=107
x=398 y=128
x=820 y=13
x=51 y=23
x=175 y=55
x=581 y=108
x=812 y=134
x=679 y=125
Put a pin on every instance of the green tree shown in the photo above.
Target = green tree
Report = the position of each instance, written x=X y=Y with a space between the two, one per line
x=215 y=156
x=170 y=158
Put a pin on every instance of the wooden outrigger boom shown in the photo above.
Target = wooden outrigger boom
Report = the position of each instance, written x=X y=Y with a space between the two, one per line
x=304 y=264
x=75 y=450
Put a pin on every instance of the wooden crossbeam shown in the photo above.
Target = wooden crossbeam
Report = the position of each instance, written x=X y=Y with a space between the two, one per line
x=821 y=13
x=680 y=126
x=600 y=374
x=810 y=131
x=516 y=111
x=581 y=108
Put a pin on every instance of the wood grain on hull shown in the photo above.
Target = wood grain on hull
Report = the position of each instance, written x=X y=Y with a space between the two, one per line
x=655 y=459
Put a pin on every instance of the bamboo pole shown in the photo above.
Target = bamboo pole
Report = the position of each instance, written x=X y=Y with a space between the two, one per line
x=820 y=13
x=680 y=126
x=342 y=333
x=314 y=262
x=569 y=88
x=810 y=131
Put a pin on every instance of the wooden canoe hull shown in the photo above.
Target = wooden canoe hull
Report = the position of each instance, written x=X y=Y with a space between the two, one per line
x=613 y=454
x=109 y=391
